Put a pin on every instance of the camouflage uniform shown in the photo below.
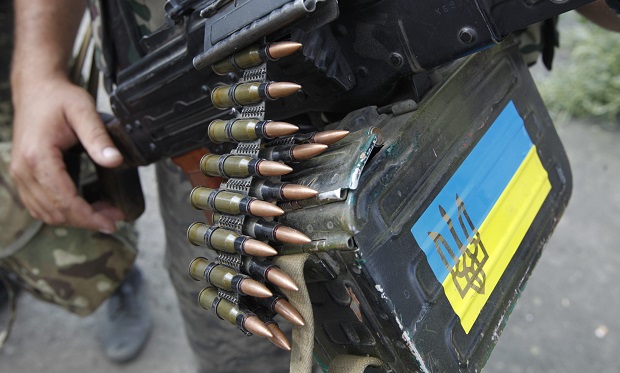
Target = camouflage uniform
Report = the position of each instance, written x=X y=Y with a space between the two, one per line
x=539 y=40
x=75 y=268
x=217 y=345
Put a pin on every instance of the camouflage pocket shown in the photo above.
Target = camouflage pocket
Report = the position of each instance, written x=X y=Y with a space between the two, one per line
x=74 y=268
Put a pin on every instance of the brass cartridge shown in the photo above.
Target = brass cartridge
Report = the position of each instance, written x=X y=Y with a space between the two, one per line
x=251 y=93
x=255 y=55
x=209 y=299
x=222 y=239
x=238 y=130
x=240 y=166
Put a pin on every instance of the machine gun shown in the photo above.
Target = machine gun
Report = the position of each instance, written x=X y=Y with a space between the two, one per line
x=355 y=54
x=428 y=217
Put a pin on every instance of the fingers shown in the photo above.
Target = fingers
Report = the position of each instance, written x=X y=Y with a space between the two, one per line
x=81 y=214
x=106 y=209
x=60 y=114
x=35 y=203
x=91 y=132
x=49 y=194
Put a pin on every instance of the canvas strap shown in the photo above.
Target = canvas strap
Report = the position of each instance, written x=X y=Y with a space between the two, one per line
x=303 y=337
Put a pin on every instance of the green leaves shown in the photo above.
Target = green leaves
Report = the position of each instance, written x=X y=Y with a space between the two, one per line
x=586 y=83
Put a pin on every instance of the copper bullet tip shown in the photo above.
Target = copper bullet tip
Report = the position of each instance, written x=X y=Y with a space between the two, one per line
x=257 y=248
x=290 y=313
x=296 y=191
x=281 y=279
x=255 y=326
x=279 y=338
x=282 y=49
x=254 y=288
x=262 y=208
x=271 y=168
x=290 y=235
x=281 y=89
x=276 y=129
x=329 y=137
x=306 y=151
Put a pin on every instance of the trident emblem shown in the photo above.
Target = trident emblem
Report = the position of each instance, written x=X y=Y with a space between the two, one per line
x=468 y=273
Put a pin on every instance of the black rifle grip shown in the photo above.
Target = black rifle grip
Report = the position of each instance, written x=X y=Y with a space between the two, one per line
x=121 y=187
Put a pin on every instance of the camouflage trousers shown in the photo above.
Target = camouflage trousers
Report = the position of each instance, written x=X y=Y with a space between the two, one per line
x=74 y=268
x=218 y=346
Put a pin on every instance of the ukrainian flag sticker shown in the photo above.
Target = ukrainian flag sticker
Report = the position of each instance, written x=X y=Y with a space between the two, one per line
x=474 y=226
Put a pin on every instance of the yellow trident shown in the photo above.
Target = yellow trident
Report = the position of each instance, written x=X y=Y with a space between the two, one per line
x=468 y=273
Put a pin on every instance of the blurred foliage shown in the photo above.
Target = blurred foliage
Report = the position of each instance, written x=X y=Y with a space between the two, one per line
x=587 y=82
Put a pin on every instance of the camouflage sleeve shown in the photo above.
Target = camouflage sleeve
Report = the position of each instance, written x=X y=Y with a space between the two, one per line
x=539 y=39
x=148 y=16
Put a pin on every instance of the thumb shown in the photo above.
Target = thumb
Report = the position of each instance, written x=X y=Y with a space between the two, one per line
x=92 y=134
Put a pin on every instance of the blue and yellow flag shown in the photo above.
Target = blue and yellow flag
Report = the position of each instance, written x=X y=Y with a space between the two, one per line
x=474 y=226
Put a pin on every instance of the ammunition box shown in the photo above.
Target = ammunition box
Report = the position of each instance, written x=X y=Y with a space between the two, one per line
x=424 y=241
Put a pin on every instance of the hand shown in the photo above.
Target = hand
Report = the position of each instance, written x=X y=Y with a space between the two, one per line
x=601 y=14
x=51 y=117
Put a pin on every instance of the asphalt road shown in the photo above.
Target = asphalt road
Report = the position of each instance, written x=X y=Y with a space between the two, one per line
x=567 y=320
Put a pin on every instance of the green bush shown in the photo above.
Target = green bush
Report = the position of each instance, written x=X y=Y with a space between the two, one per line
x=586 y=82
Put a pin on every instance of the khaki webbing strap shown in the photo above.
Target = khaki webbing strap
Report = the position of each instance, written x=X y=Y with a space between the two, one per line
x=353 y=364
x=303 y=337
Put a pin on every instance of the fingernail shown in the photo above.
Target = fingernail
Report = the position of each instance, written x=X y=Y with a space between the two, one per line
x=108 y=229
x=110 y=152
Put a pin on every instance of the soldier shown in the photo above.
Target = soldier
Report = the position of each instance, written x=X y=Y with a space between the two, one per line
x=76 y=269
x=44 y=257
x=51 y=115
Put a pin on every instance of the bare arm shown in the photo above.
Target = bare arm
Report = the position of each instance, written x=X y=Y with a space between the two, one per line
x=52 y=115
x=599 y=13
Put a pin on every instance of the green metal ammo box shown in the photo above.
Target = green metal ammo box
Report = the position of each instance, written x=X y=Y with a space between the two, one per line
x=432 y=218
